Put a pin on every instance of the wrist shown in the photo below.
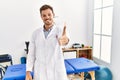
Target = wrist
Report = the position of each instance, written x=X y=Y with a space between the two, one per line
x=28 y=72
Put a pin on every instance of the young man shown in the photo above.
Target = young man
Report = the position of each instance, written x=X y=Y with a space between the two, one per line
x=45 y=56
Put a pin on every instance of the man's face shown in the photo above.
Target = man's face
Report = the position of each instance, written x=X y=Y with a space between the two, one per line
x=47 y=16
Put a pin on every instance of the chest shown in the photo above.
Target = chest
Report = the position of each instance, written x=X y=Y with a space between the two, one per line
x=51 y=39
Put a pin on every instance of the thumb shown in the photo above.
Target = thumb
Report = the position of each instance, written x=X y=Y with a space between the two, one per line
x=64 y=30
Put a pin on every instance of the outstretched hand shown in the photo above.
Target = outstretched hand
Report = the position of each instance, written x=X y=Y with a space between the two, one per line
x=63 y=40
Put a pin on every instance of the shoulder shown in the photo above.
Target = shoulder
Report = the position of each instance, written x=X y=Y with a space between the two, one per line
x=59 y=30
x=58 y=27
x=36 y=32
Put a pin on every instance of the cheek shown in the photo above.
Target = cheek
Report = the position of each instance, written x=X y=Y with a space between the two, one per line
x=43 y=19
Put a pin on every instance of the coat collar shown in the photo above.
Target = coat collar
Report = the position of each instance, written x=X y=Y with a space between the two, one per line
x=52 y=30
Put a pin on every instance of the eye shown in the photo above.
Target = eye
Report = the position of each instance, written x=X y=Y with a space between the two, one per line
x=44 y=15
x=49 y=14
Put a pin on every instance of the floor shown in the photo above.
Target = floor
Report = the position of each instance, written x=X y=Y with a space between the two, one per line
x=75 y=77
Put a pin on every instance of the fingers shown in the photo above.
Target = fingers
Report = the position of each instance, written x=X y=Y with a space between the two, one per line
x=64 y=30
x=63 y=40
x=28 y=78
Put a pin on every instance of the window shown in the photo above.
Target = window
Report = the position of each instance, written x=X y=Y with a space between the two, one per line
x=102 y=34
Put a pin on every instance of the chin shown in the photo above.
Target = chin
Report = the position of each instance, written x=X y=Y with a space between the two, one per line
x=48 y=23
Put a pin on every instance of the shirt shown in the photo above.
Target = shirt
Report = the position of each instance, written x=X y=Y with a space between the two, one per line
x=46 y=32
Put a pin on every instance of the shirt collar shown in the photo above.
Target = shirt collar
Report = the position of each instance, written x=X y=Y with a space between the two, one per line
x=47 y=30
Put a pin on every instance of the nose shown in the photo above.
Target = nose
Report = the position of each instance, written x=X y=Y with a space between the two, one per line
x=47 y=17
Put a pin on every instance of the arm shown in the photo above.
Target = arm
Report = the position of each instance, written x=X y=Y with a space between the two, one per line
x=30 y=58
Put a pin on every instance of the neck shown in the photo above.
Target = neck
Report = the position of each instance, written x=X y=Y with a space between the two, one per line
x=47 y=27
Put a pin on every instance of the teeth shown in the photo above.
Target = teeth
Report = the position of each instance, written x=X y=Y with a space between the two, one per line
x=47 y=20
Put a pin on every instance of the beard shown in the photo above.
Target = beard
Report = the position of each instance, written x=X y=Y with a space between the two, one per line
x=48 y=22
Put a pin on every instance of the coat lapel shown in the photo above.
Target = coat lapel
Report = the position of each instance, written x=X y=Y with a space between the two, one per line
x=52 y=31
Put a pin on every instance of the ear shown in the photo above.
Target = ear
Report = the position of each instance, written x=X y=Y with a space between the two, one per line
x=41 y=16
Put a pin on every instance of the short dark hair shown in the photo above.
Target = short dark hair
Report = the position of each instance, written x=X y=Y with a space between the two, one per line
x=44 y=7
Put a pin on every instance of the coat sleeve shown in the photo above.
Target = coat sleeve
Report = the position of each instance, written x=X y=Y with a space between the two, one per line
x=31 y=54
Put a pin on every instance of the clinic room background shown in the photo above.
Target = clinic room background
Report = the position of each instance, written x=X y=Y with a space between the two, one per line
x=19 y=18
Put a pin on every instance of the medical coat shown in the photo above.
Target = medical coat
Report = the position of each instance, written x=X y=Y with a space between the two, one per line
x=45 y=57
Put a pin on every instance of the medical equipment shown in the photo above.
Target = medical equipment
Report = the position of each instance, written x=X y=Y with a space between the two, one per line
x=4 y=58
x=73 y=66
x=27 y=46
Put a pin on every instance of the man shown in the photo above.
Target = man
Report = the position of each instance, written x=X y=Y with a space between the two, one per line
x=45 y=56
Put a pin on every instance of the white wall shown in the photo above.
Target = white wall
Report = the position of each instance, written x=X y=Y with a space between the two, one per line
x=115 y=66
x=19 y=18
x=16 y=25
x=90 y=22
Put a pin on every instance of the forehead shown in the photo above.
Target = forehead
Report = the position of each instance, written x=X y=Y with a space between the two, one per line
x=46 y=11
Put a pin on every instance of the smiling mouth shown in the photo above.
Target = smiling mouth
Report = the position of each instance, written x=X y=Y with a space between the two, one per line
x=47 y=20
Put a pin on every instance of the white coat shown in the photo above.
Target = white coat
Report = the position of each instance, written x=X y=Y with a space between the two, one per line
x=45 y=56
